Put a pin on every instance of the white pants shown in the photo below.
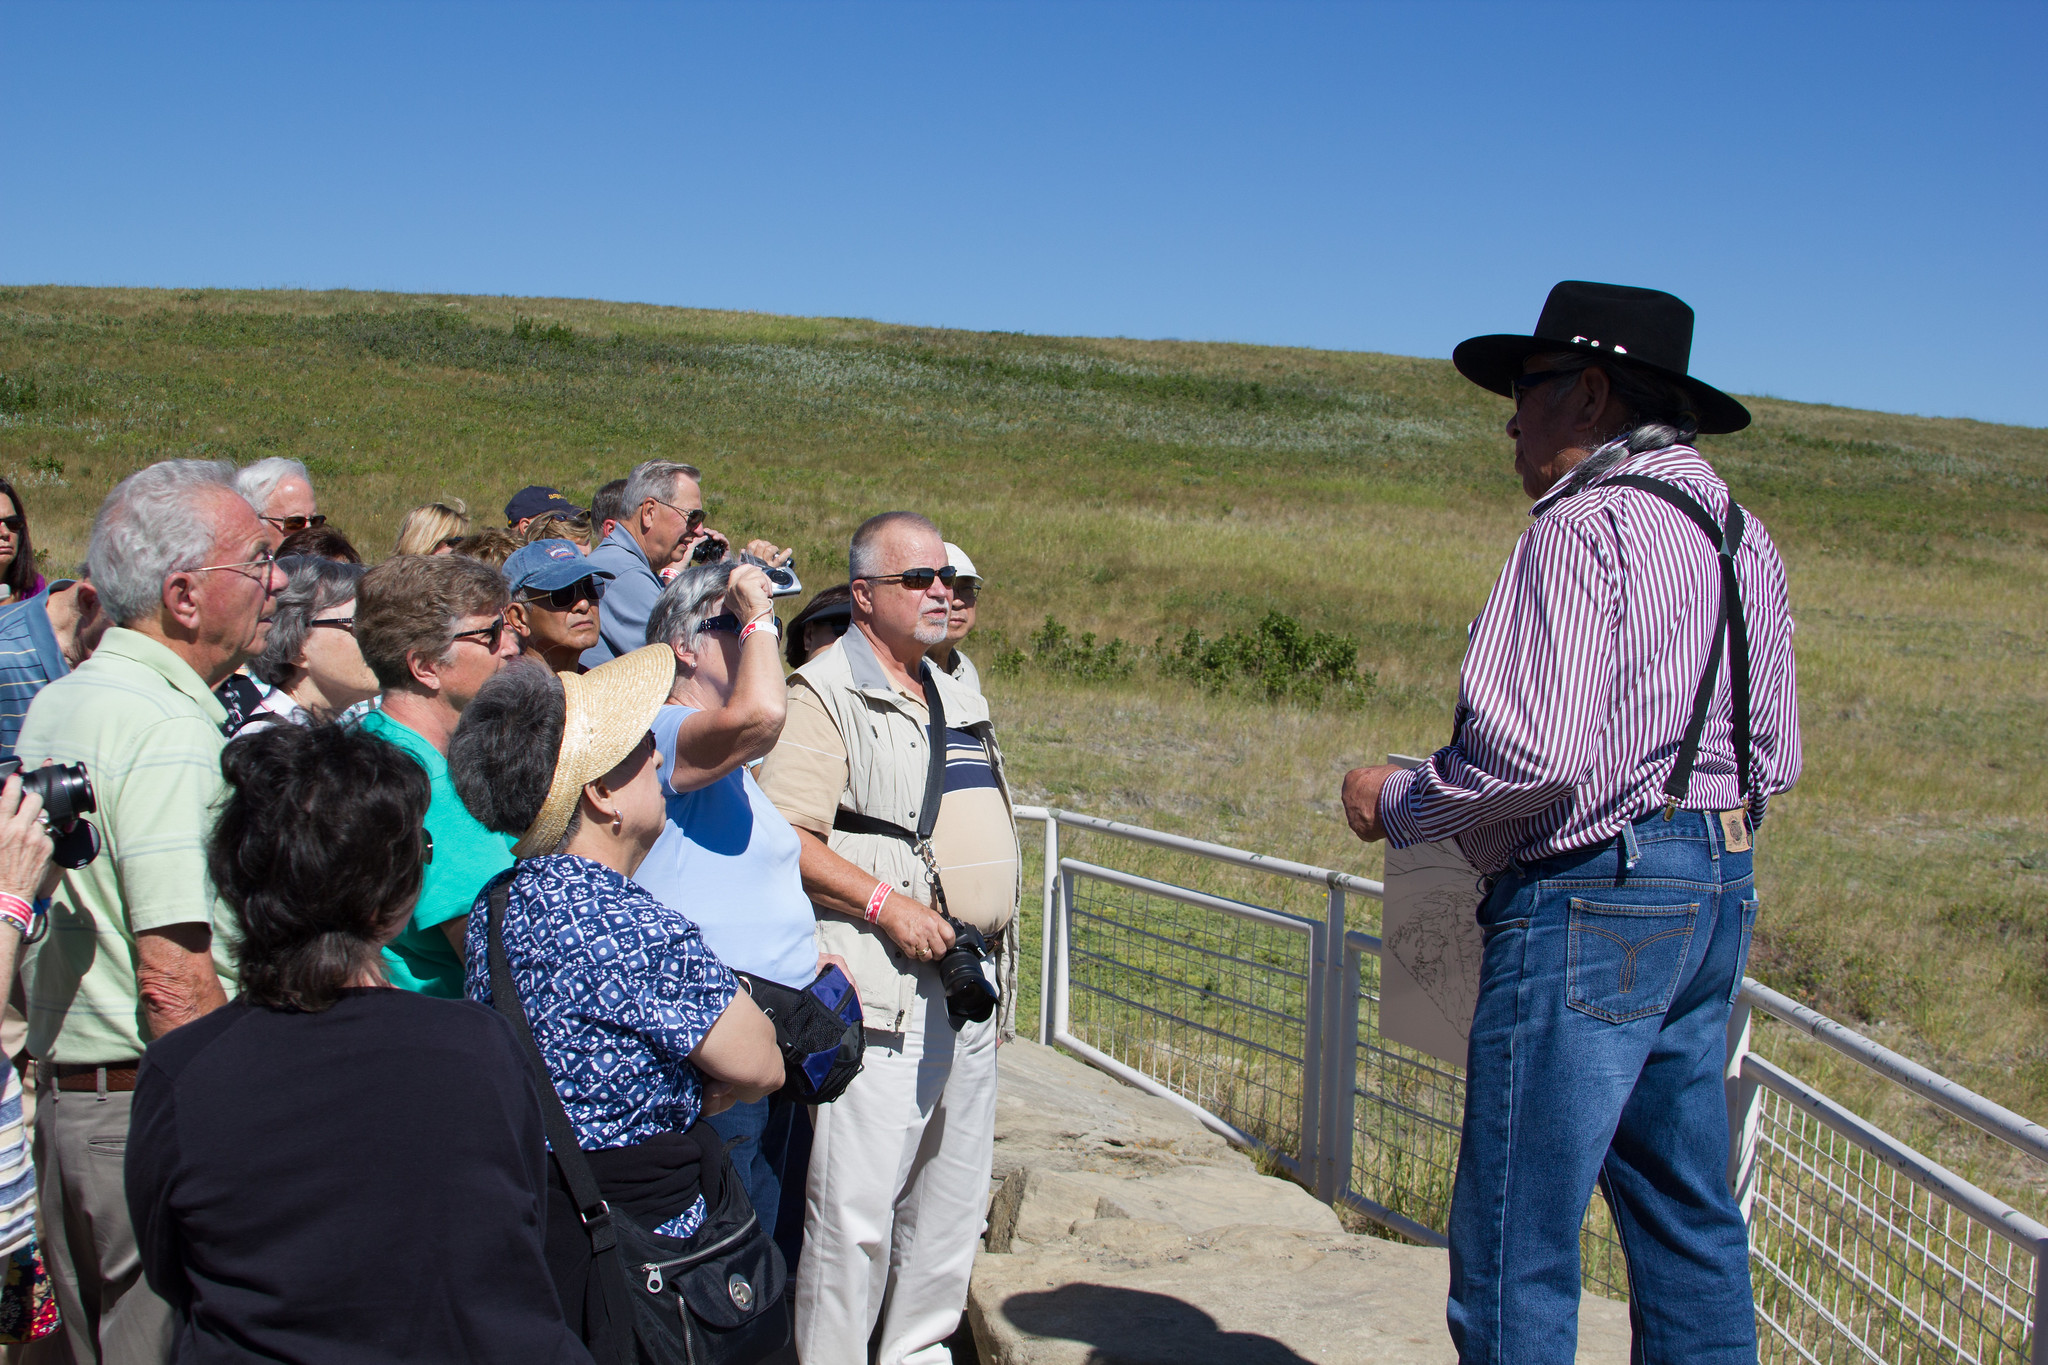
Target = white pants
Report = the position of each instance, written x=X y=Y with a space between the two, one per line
x=898 y=1192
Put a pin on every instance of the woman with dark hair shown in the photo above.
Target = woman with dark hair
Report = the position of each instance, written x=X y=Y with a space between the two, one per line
x=824 y=619
x=327 y=1169
x=642 y=1029
x=309 y=659
x=319 y=542
x=19 y=580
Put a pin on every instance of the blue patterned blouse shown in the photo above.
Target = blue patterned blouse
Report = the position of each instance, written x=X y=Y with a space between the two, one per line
x=619 y=990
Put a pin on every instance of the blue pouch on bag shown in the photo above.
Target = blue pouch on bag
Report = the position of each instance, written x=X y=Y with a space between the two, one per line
x=818 y=1030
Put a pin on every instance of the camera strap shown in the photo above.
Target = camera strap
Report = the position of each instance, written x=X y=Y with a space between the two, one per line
x=919 y=839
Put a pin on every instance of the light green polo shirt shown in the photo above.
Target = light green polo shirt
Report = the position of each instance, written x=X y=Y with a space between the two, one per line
x=147 y=729
x=466 y=855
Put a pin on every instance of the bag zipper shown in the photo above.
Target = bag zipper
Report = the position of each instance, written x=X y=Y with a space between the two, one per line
x=654 y=1270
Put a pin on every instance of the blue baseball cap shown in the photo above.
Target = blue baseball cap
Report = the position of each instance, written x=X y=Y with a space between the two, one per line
x=549 y=564
x=537 y=500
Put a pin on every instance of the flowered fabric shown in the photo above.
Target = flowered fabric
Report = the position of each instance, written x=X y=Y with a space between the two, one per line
x=619 y=990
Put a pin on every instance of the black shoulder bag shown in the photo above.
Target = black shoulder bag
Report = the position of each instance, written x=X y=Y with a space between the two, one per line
x=966 y=963
x=1731 y=625
x=818 y=1030
x=712 y=1298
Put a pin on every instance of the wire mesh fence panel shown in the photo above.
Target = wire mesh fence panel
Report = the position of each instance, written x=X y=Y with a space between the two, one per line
x=1210 y=1005
x=1851 y=1261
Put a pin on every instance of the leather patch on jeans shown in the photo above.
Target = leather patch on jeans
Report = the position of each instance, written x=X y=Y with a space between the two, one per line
x=1734 y=831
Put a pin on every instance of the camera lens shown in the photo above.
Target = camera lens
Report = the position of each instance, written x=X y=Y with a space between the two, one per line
x=65 y=789
x=964 y=972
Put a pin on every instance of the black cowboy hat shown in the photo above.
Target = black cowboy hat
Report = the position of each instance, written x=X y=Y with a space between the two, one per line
x=1646 y=328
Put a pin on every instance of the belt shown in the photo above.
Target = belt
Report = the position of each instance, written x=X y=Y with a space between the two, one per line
x=97 y=1078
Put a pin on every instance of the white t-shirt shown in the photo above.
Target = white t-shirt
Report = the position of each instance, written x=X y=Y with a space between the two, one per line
x=728 y=860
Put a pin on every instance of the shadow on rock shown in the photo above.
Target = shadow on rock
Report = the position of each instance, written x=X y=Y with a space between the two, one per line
x=1133 y=1327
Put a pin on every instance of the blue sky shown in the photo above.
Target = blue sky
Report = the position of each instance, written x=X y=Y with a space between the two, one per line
x=1853 y=196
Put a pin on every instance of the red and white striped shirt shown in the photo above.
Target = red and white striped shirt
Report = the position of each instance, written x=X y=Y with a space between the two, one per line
x=1578 y=681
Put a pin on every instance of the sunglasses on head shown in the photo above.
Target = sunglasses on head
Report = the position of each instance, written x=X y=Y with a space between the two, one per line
x=918 y=579
x=291 y=524
x=487 y=636
x=589 y=590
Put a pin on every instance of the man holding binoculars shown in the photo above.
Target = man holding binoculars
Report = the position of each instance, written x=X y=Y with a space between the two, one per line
x=909 y=856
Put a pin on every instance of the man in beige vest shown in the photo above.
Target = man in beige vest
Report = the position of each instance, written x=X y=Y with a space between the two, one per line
x=898 y=1185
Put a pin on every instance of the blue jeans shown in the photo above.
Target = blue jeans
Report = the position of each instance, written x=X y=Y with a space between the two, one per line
x=767 y=1138
x=1596 y=1056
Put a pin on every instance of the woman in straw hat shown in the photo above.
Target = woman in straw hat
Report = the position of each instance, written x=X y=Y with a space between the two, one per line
x=642 y=1028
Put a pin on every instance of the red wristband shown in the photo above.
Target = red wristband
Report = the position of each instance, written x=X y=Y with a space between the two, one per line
x=874 y=911
x=17 y=912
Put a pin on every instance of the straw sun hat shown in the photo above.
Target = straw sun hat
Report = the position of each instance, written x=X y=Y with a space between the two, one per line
x=609 y=710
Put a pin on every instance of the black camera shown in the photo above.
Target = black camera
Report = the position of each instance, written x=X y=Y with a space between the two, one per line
x=708 y=549
x=67 y=797
x=968 y=972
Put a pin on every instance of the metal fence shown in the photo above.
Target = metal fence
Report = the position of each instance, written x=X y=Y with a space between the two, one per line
x=1265 y=1025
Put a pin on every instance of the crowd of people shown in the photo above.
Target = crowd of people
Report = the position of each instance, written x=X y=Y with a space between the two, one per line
x=403 y=863
x=443 y=985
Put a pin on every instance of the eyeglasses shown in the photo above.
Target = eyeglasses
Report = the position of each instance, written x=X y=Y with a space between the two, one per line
x=291 y=524
x=266 y=562
x=347 y=623
x=589 y=590
x=1522 y=383
x=919 y=580
x=725 y=621
x=17 y=523
x=692 y=519
x=487 y=636
x=966 y=585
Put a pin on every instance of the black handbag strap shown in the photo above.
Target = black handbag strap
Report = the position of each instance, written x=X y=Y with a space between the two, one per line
x=853 y=822
x=568 y=1152
x=1730 y=624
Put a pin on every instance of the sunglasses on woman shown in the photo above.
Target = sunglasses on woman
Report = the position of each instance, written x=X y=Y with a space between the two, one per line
x=589 y=590
x=919 y=580
x=347 y=623
x=291 y=524
x=16 y=523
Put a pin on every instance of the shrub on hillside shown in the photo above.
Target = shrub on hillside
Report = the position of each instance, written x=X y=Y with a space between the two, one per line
x=1054 y=649
x=1279 y=660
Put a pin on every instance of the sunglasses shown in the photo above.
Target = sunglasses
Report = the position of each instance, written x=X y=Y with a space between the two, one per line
x=724 y=623
x=487 y=636
x=918 y=579
x=692 y=519
x=347 y=623
x=1522 y=383
x=17 y=523
x=291 y=524
x=589 y=590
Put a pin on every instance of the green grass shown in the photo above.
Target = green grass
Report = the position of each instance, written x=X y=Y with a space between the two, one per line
x=1139 y=490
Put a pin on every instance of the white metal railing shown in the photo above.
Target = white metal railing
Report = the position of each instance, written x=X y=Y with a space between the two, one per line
x=1264 y=1025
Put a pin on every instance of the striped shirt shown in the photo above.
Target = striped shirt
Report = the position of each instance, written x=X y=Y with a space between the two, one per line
x=29 y=660
x=1578 y=681
x=17 y=1171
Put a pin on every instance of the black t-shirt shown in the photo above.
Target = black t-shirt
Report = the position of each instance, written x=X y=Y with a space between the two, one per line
x=359 y=1185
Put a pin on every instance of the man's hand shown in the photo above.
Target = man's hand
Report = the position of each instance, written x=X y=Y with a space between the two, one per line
x=918 y=930
x=1362 y=800
x=764 y=549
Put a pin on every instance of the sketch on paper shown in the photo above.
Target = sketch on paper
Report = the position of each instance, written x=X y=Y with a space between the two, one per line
x=1429 y=971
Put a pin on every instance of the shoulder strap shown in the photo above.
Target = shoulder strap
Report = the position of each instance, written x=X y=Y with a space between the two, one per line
x=568 y=1152
x=1731 y=623
x=935 y=775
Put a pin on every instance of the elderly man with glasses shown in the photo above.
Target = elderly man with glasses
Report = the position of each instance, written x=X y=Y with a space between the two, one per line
x=661 y=523
x=898 y=1181
x=556 y=595
x=281 y=491
x=966 y=598
x=137 y=943
x=432 y=628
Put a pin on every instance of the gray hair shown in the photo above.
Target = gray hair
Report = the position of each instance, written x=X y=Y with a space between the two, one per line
x=502 y=755
x=653 y=479
x=686 y=603
x=864 y=556
x=258 y=481
x=153 y=524
x=313 y=586
x=1660 y=414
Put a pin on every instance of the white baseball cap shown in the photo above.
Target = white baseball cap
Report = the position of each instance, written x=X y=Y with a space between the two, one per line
x=963 y=567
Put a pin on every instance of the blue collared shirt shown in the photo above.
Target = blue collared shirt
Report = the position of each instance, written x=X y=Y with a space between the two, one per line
x=29 y=660
x=628 y=599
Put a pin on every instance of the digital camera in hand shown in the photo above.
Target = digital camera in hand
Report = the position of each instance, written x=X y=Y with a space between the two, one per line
x=67 y=797
x=782 y=580
x=968 y=973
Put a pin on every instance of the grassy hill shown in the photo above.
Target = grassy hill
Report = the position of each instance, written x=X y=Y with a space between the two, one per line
x=1140 y=489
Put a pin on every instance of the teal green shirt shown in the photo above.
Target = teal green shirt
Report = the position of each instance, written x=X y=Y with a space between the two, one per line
x=466 y=855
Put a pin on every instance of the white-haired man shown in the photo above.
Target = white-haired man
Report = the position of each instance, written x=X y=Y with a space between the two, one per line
x=137 y=943
x=898 y=1182
x=281 y=491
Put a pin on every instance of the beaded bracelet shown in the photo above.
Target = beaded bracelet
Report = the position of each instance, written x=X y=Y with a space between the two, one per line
x=874 y=912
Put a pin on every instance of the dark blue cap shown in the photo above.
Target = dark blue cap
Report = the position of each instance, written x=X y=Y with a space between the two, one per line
x=549 y=564
x=534 y=500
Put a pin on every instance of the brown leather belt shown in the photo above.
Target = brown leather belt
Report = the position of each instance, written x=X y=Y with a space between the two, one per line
x=118 y=1076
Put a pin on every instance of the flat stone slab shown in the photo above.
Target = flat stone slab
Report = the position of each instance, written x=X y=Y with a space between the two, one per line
x=1123 y=1232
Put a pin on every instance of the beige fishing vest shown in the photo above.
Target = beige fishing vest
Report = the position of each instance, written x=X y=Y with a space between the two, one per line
x=886 y=769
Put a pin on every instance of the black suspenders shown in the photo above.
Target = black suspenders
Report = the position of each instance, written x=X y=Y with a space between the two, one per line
x=1731 y=626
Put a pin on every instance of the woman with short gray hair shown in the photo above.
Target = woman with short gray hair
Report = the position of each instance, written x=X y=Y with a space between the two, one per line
x=310 y=659
x=728 y=858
